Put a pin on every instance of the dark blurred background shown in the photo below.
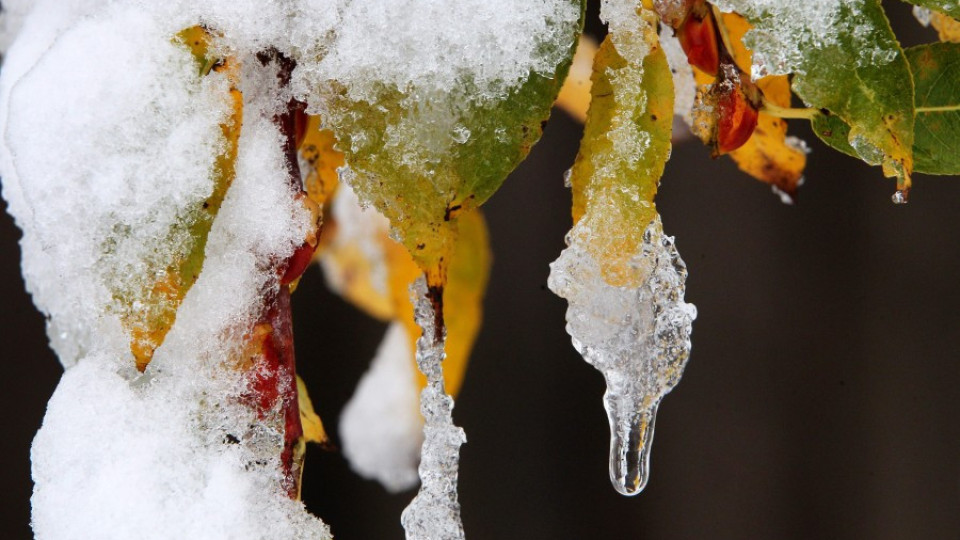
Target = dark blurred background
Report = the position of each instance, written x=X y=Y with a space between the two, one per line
x=822 y=399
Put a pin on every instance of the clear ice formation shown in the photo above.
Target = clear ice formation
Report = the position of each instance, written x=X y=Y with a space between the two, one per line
x=434 y=514
x=638 y=338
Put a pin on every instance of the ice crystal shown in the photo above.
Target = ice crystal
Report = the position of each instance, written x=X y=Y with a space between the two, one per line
x=434 y=514
x=638 y=338
x=684 y=85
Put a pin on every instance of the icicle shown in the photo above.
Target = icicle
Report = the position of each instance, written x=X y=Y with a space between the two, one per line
x=639 y=338
x=434 y=514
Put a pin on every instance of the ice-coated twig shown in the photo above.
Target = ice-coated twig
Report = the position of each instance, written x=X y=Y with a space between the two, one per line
x=434 y=514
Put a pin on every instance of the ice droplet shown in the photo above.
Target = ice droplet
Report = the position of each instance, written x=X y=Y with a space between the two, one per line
x=899 y=197
x=631 y=437
x=434 y=514
x=638 y=337
x=566 y=178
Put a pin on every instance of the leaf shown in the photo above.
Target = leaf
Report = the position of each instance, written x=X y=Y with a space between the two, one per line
x=936 y=74
x=149 y=313
x=318 y=150
x=625 y=146
x=846 y=59
x=835 y=132
x=423 y=158
x=374 y=273
x=766 y=156
x=574 y=96
x=313 y=430
x=947 y=27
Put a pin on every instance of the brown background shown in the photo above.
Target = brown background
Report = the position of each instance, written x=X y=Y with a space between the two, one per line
x=821 y=399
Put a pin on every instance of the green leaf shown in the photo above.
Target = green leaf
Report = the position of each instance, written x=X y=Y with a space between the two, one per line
x=422 y=157
x=950 y=7
x=835 y=132
x=936 y=73
x=936 y=141
x=845 y=59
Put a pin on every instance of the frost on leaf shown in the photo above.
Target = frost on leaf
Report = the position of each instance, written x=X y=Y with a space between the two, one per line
x=768 y=155
x=844 y=58
x=622 y=278
x=118 y=148
x=434 y=114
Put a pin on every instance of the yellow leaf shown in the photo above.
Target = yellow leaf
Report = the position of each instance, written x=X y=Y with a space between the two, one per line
x=625 y=145
x=766 y=156
x=574 y=96
x=947 y=26
x=356 y=270
x=312 y=425
x=323 y=159
x=148 y=314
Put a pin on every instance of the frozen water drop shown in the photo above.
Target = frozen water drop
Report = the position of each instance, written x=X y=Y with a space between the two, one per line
x=567 y=182
x=631 y=438
x=899 y=197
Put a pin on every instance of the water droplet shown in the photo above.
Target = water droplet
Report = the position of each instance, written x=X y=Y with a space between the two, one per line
x=899 y=197
x=631 y=436
x=567 y=183
x=461 y=134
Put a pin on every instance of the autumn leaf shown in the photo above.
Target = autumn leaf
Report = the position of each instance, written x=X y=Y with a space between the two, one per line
x=947 y=27
x=574 y=96
x=149 y=312
x=766 y=156
x=374 y=273
x=848 y=62
x=614 y=184
x=423 y=165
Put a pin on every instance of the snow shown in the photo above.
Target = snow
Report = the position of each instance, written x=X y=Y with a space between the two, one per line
x=434 y=514
x=787 y=34
x=108 y=149
x=381 y=427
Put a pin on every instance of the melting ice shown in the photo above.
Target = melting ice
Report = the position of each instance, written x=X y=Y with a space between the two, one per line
x=639 y=339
